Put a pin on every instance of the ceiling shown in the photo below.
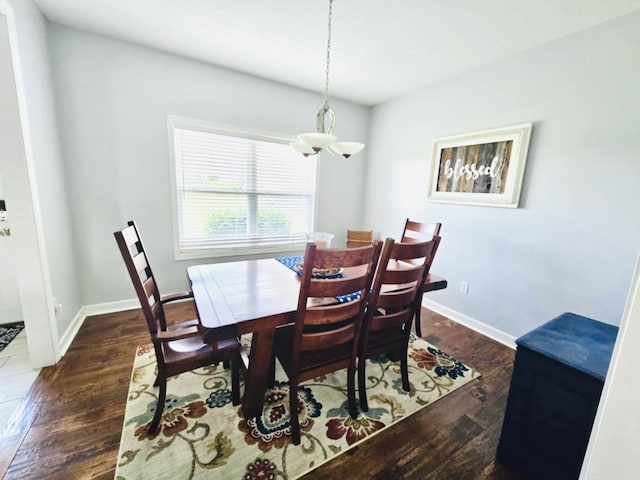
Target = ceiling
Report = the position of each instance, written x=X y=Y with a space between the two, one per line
x=380 y=49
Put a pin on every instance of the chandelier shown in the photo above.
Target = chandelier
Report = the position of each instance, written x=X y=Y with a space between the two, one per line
x=314 y=142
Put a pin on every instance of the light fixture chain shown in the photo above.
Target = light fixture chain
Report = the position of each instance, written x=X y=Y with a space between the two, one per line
x=323 y=138
x=326 y=84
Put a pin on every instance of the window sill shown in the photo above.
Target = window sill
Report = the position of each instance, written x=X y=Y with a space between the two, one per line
x=240 y=252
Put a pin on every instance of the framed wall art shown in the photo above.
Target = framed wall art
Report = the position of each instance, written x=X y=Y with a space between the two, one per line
x=480 y=168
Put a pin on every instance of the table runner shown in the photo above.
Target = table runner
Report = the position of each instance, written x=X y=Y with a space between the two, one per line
x=291 y=261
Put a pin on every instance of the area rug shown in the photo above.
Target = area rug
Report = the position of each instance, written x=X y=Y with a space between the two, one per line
x=203 y=436
x=8 y=333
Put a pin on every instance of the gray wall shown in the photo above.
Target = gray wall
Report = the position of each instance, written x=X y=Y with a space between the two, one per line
x=572 y=244
x=113 y=100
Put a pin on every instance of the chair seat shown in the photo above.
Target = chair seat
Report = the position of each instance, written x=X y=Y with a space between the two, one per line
x=192 y=344
x=186 y=345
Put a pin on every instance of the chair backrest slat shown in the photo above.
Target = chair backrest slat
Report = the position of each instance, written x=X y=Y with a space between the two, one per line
x=331 y=313
x=339 y=258
x=337 y=287
x=400 y=277
x=140 y=262
x=393 y=299
x=149 y=288
x=130 y=236
x=319 y=341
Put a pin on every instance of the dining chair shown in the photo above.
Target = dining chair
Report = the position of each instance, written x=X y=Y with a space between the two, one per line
x=178 y=346
x=417 y=232
x=359 y=238
x=321 y=239
x=395 y=297
x=324 y=337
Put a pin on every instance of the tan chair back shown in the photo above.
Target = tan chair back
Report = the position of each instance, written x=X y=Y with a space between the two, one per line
x=359 y=238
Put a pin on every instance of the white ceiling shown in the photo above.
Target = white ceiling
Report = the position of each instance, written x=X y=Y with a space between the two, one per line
x=381 y=49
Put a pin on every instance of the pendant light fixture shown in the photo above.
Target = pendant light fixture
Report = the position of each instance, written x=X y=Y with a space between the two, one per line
x=314 y=142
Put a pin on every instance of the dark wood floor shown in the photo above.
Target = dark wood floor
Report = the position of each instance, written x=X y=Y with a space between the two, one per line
x=73 y=417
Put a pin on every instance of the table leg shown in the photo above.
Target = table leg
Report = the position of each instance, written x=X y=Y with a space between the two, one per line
x=417 y=316
x=257 y=373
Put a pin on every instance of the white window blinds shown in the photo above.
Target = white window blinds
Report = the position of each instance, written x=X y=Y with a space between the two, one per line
x=239 y=191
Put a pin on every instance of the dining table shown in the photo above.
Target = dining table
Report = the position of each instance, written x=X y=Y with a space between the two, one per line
x=253 y=297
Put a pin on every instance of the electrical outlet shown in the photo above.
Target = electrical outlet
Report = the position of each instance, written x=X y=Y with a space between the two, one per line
x=464 y=287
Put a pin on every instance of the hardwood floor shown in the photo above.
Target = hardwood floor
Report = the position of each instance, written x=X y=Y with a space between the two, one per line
x=73 y=415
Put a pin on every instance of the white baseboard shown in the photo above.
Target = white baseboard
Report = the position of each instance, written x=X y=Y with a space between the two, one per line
x=110 y=307
x=472 y=323
x=71 y=332
x=131 y=304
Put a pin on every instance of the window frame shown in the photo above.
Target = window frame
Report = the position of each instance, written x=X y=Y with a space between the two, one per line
x=180 y=253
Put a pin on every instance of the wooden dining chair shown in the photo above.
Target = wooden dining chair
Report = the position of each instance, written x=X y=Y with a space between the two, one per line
x=359 y=238
x=419 y=232
x=178 y=346
x=324 y=337
x=395 y=297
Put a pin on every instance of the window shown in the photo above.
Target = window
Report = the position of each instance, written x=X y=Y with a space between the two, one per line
x=238 y=191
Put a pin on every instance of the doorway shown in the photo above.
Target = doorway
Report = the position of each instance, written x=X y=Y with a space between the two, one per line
x=16 y=369
x=10 y=306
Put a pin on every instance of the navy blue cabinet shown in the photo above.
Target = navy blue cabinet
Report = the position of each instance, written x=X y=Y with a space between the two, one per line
x=557 y=379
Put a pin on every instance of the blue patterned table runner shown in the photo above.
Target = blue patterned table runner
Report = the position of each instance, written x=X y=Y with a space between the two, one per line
x=291 y=261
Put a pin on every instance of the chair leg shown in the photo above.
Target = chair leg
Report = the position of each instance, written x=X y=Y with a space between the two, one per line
x=351 y=391
x=362 y=384
x=162 y=395
x=293 y=409
x=404 y=371
x=235 y=378
x=417 y=318
x=271 y=379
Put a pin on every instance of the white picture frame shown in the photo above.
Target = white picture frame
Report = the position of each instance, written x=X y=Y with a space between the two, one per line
x=481 y=168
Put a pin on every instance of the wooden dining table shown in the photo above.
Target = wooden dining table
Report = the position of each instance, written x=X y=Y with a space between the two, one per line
x=252 y=296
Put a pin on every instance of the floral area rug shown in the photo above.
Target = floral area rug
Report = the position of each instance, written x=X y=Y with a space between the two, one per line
x=8 y=333
x=202 y=435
